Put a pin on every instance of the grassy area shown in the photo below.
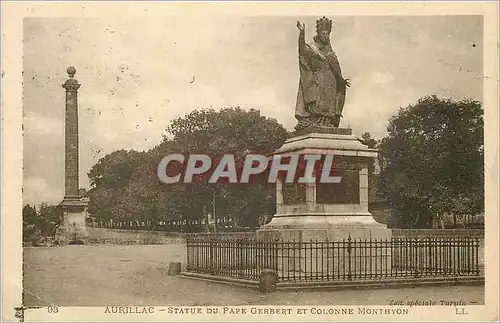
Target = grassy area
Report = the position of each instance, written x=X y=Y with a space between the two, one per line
x=137 y=274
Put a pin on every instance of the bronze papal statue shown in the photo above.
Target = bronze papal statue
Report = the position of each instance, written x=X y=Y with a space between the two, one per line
x=322 y=89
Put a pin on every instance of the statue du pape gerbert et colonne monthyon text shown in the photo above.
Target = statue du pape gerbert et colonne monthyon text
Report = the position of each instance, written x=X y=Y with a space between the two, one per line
x=322 y=89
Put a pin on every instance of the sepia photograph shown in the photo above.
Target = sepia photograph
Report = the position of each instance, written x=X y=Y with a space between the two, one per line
x=254 y=166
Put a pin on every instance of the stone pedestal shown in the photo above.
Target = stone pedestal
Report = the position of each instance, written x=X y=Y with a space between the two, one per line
x=174 y=268
x=334 y=225
x=323 y=219
x=73 y=227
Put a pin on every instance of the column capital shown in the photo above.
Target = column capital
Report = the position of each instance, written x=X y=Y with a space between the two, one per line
x=71 y=84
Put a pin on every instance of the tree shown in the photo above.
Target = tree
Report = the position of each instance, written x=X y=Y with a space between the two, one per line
x=49 y=218
x=30 y=222
x=125 y=184
x=109 y=179
x=229 y=131
x=432 y=161
x=83 y=192
x=366 y=139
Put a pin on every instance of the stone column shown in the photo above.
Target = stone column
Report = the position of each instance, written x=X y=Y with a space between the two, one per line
x=311 y=194
x=73 y=224
x=279 y=195
x=71 y=136
x=363 y=187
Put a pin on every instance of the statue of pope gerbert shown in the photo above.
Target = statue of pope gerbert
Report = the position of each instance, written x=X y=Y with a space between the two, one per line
x=322 y=89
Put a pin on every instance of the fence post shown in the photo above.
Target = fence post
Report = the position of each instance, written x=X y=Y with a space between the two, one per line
x=416 y=249
x=240 y=265
x=349 y=274
x=450 y=258
x=429 y=263
x=275 y=248
x=188 y=249
x=211 y=260
x=476 y=250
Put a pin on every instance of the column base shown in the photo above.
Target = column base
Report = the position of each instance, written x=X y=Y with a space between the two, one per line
x=333 y=246
x=73 y=229
x=323 y=228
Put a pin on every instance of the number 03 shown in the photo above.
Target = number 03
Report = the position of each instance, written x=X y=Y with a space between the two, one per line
x=52 y=309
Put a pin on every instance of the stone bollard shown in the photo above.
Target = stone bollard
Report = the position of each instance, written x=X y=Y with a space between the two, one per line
x=174 y=268
x=268 y=280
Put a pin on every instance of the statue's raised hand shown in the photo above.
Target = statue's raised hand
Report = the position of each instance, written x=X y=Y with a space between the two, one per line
x=301 y=27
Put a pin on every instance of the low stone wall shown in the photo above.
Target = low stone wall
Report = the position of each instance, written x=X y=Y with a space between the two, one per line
x=128 y=237
x=438 y=233
x=223 y=235
x=125 y=236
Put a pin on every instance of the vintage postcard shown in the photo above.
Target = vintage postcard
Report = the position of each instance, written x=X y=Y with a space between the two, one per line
x=249 y=161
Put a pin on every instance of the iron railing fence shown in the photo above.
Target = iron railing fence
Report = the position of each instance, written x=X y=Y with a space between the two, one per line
x=245 y=257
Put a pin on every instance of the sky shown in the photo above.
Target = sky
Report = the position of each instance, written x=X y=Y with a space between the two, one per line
x=139 y=74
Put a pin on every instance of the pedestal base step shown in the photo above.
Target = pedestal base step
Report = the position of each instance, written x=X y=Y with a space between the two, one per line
x=340 y=285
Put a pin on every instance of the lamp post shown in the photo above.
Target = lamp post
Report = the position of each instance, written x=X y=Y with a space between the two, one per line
x=213 y=210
